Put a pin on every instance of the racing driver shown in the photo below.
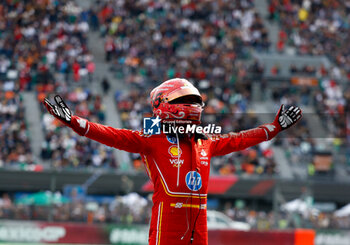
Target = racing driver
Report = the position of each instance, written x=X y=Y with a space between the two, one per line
x=178 y=164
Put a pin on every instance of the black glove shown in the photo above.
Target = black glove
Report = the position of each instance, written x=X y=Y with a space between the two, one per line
x=287 y=118
x=283 y=120
x=64 y=114
x=61 y=112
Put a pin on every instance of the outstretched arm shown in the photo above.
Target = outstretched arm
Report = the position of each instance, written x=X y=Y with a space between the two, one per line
x=227 y=143
x=123 y=139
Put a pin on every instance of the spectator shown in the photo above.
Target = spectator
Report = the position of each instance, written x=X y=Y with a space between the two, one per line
x=91 y=69
x=105 y=85
x=76 y=69
x=275 y=70
x=109 y=48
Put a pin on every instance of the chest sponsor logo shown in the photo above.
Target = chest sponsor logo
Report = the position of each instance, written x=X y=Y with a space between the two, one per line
x=176 y=161
x=193 y=180
x=205 y=163
x=183 y=205
x=178 y=205
x=174 y=151
x=171 y=139
x=204 y=155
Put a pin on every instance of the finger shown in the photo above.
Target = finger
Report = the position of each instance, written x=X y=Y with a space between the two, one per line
x=63 y=105
x=280 y=110
x=292 y=115
x=282 y=121
x=60 y=101
x=294 y=111
x=52 y=109
x=297 y=117
x=290 y=111
x=48 y=103
x=290 y=119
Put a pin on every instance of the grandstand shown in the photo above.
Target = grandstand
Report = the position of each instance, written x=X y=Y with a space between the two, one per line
x=103 y=57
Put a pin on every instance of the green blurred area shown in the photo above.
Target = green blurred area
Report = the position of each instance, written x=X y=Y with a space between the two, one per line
x=42 y=198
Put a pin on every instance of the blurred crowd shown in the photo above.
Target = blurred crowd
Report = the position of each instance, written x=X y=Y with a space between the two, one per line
x=314 y=28
x=43 y=48
x=122 y=210
x=266 y=220
x=14 y=140
x=118 y=210
x=150 y=41
x=319 y=28
x=39 y=37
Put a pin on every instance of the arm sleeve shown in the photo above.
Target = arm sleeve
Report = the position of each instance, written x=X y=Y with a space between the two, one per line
x=227 y=143
x=122 y=139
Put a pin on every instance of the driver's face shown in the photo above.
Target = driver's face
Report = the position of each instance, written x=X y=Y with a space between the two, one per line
x=188 y=100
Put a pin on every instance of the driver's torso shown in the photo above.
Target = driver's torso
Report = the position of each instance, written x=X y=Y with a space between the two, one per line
x=179 y=194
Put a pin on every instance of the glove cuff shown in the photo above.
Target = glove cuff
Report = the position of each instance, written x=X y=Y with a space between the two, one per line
x=271 y=129
x=79 y=125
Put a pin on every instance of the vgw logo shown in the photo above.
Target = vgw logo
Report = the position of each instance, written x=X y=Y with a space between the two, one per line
x=151 y=125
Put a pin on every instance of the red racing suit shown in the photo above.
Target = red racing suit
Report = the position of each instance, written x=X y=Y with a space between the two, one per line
x=180 y=196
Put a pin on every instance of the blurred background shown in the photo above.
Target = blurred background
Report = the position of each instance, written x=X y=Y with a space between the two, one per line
x=103 y=57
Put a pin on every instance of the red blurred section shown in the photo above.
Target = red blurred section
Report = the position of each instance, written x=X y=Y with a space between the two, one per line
x=79 y=233
x=148 y=186
x=220 y=184
x=304 y=236
x=262 y=187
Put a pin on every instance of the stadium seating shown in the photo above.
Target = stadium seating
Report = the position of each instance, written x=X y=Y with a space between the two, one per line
x=14 y=140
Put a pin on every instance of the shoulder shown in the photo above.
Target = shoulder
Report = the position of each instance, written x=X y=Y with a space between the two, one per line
x=214 y=137
x=134 y=133
x=140 y=133
x=149 y=136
